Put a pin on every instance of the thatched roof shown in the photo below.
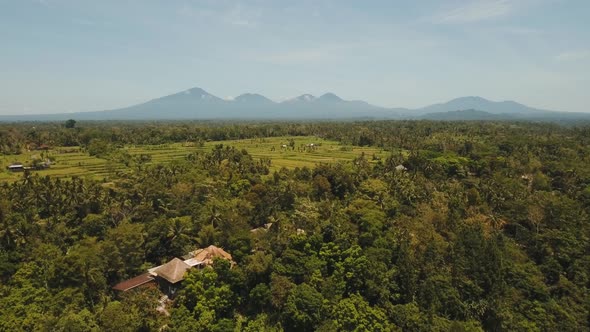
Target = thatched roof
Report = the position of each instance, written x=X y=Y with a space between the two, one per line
x=208 y=254
x=173 y=271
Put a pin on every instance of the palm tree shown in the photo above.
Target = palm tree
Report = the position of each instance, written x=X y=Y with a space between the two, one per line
x=178 y=233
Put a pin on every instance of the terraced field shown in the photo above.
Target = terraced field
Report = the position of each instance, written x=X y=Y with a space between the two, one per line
x=79 y=163
x=324 y=151
x=65 y=164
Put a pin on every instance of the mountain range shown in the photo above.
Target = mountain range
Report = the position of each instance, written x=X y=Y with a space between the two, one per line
x=197 y=103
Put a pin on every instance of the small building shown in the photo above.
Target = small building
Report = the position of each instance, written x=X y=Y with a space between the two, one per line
x=170 y=275
x=16 y=168
x=400 y=168
x=143 y=280
x=207 y=255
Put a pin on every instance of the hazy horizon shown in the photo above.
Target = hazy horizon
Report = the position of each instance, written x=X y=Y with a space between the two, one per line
x=62 y=56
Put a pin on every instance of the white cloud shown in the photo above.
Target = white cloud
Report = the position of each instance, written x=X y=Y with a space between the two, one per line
x=317 y=54
x=522 y=31
x=234 y=15
x=573 y=56
x=240 y=15
x=193 y=12
x=476 y=11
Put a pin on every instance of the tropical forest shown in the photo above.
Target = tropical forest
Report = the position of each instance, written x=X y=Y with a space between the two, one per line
x=294 y=226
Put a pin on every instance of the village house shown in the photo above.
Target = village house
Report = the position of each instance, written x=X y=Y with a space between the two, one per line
x=21 y=167
x=16 y=167
x=143 y=280
x=400 y=168
x=168 y=277
x=207 y=255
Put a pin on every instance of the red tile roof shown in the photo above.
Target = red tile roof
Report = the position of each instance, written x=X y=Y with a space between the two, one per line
x=126 y=285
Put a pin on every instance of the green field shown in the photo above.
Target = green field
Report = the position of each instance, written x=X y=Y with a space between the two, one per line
x=79 y=163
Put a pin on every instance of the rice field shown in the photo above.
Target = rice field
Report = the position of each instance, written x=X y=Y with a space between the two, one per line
x=73 y=161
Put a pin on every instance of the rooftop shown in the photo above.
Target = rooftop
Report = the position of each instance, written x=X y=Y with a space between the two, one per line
x=173 y=271
x=192 y=262
x=208 y=254
x=126 y=285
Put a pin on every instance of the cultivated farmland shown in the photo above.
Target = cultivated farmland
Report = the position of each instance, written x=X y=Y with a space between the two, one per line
x=304 y=151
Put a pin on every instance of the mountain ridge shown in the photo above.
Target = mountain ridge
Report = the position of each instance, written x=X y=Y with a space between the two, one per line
x=481 y=104
x=466 y=115
x=196 y=103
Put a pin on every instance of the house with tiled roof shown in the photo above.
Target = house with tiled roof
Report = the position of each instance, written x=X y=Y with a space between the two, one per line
x=142 y=280
x=170 y=275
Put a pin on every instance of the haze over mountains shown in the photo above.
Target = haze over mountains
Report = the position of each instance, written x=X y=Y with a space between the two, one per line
x=197 y=103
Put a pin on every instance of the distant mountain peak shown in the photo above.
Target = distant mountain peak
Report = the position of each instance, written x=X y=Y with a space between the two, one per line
x=480 y=104
x=196 y=91
x=252 y=98
x=305 y=98
x=469 y=99
x=194 y=95
x=330 y=97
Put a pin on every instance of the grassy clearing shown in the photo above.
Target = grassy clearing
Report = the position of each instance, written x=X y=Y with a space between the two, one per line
x=79 y=163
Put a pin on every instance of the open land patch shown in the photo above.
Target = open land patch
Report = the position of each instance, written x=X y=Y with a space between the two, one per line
x=75 y=161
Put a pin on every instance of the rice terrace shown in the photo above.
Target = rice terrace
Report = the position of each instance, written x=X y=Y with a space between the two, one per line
x=67 y=162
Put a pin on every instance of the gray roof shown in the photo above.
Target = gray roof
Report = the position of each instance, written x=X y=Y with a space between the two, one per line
x=173 y=271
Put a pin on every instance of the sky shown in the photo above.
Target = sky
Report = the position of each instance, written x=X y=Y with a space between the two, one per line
x=85 y=55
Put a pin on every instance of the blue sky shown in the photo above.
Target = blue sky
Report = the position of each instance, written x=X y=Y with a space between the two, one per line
x=84 y=55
